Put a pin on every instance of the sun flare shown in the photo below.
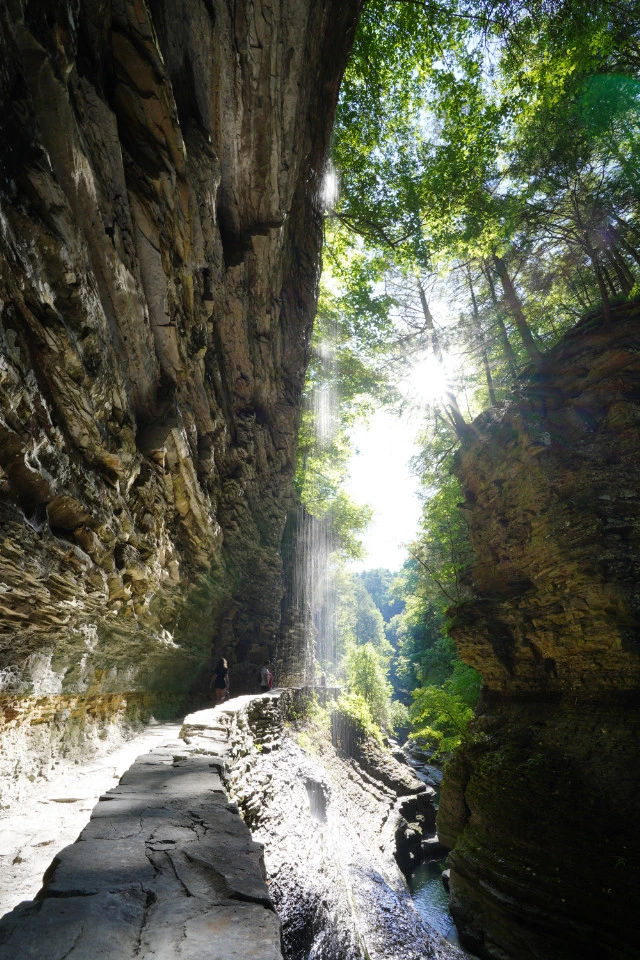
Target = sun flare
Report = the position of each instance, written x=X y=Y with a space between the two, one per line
x=429 y=380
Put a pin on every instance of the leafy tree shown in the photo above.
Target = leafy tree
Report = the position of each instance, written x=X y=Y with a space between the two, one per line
x=379 y=584
x=366 y=677
x=488 y=155
x=440 y=714
x=512 y=111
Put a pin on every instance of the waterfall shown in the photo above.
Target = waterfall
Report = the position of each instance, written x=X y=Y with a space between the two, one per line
x=316 y=560
x=311 y=620
x=308 y=624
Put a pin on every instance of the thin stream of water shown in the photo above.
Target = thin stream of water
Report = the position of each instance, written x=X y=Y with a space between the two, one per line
x=314 y=588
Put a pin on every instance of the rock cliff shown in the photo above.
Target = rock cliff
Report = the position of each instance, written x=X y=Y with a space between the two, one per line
x=540 y=803
x=160 y=225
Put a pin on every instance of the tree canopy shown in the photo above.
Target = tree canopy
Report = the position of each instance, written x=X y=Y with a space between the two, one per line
x=488 y=157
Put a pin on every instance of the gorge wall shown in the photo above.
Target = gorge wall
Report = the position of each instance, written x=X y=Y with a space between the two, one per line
x=540 y=802
x=160 y=226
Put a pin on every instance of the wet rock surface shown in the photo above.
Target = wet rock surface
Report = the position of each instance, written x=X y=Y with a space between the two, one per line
x=540 y=803
x=329 y=830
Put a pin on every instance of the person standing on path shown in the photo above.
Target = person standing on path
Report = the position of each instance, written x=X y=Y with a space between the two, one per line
x=220 y=680
x=266 y=678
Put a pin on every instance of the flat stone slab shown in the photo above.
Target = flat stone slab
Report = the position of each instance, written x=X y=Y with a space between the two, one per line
x=221 y=935
x=101 y=927
x=166 y=869
x=96 y=866
x=240 y=931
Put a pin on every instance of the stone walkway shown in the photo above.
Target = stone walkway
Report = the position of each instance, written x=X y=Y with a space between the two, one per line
x=52 y=810
x=166 y=868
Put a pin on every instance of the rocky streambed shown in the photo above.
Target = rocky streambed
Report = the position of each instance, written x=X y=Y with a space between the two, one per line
x=333 y=830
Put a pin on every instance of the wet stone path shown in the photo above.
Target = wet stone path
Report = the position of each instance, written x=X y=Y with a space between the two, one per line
x=165 y=869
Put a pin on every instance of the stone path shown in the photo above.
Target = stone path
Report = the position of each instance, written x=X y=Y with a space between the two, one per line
x=165 y=870
x=50 y=812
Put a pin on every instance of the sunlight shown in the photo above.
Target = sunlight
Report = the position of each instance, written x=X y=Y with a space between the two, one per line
x=380 y=474
x=428 y=381
x=330 y=187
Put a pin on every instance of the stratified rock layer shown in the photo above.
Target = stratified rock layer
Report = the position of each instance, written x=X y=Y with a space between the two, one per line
x=541 y=802
x=160 y=227
x=330 y=831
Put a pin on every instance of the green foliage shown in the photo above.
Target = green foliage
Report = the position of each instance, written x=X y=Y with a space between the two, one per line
x=352 y=718
x=355 y=709
x=312 y=726
x=379 y=584
x=443 y=550
x=489 y=161
x=492 y=151
x=440 y=714
x=366 y=677
x=357 y=622
x=398 y=716
x=444 y=690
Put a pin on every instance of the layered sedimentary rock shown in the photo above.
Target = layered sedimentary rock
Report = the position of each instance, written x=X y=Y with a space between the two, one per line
x=330 y=830
x=540 y=804
x=160 y=225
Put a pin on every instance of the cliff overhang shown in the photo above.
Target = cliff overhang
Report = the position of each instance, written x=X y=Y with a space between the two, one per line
x=160 y=232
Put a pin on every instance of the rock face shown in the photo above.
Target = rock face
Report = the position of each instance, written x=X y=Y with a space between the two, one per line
x=540 y=804
x=160 y=175
x=330 y=830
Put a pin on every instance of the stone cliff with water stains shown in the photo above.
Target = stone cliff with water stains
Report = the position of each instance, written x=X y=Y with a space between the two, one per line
x=160 y=228
x=540 y=805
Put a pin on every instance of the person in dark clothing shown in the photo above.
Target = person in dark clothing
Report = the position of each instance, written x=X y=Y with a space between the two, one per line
x=220 y=680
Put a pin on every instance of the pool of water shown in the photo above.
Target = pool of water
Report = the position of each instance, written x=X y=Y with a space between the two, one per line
x=431 y=899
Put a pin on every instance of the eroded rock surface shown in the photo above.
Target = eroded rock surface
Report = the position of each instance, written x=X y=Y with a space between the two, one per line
x=541 y=802
x=330 y=830
x=160 y=171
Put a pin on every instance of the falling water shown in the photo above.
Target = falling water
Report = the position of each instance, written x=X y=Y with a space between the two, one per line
x=314 y=582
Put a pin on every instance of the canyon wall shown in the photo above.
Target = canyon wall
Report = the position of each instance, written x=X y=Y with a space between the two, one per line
x=161 y=165
x=540 y=802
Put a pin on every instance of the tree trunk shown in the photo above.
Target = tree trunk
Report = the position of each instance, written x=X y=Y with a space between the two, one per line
x=608 y=278
x=510 y=357
x=626 y=246
x=457 y=419
x=480 y=335
x=515 y=307
x=602 y=286
x=626 y=278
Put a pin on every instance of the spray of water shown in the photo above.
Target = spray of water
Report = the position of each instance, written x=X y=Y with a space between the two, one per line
x=314 y=581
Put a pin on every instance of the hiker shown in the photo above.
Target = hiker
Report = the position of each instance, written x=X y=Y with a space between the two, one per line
x=266 y=678
x=220 y=680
